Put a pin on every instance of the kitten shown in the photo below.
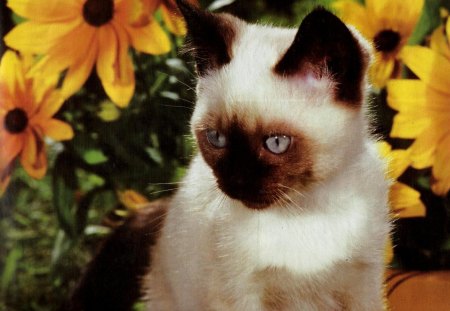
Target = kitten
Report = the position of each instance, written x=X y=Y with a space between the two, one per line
x=285 y=205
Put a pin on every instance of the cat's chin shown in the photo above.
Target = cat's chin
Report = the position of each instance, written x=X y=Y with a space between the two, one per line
x=257 y=204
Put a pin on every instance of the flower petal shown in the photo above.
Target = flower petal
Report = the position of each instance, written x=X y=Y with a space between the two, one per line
x=37 y=38
x=121 y=89
x=79 y=71
x=405 y=201
x=33 y=157
x=438 y=41
x=50 y=104
x=149 y=39
x=381 y=70
x=441 y=169
x=12 y=72
x=45 y=11
x=64 y=54
x=355 y=14
x=422 y=151
x=398 y=15
x=409 y=126
x=11 y=145
x=107 y=54
x=57 y=129
x=174 y=21
x=429 y=66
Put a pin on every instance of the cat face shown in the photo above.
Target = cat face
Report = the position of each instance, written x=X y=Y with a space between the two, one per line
x=277 y=110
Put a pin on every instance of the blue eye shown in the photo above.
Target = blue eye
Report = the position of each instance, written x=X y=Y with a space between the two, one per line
x=278 y=143
x=216 y=138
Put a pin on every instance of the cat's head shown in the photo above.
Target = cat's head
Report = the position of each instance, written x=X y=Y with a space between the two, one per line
x=277 y=110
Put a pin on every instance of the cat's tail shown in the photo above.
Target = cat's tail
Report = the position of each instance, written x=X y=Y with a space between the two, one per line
x=112 y=279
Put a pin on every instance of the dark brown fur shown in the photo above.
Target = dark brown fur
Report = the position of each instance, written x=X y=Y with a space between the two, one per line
x=209 y=36
x=324 y=45
x=112 y=280
x=247 y=171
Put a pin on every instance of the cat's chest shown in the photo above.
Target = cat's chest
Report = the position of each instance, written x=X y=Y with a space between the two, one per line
x=300 y=244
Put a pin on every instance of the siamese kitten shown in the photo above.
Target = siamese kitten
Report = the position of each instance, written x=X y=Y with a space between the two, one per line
x=285 y=205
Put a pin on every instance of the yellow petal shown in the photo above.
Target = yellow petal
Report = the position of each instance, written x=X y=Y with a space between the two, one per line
x=121 y=89
x=33 y=157
x=132 y=199
x=57 y=129
x=356 y=15
x=422 y=151
x=50 y=104
x=439 y=43
x=409 y=126
x=107 y=54
x=381 y=70
x=65 y=54
x=429 y=66
x=174 y=21
x=79 y=71
x=416 y=99
x=447 y=29
x=11 y=145
x=405 y=201
x=150 y=39
x=401 y=15
x=403 y=93
x=398 y=160
x=441 y=167
x=12 y=72
x=37 y=38
x=45 y=11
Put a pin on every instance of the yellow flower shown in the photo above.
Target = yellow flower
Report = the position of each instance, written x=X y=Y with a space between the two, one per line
x=387 y=24
x=27 y=107
x=75 y=35
x=440 y=38
x=424 y=112
x=404 y=200
x=132 y=199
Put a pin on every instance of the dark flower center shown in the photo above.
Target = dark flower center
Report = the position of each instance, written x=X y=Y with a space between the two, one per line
x=98 y=12
x=386 y=40
x=16 y=121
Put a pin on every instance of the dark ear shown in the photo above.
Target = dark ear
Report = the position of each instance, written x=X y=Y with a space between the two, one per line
x=324 y=45
x=209 y=37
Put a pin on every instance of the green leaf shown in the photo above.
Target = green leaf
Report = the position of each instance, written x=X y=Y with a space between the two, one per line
x=428 y=21
x=10 y=267
x=154 y=154
x=94 y=156
x=63 y=183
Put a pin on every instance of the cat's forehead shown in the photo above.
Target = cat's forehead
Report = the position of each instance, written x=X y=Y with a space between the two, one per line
x=248 y=89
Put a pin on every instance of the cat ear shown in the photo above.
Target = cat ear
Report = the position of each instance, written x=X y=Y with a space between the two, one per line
x=209 y=37
x=323 y=46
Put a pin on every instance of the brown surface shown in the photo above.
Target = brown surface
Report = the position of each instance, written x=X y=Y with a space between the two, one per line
x=418 y=290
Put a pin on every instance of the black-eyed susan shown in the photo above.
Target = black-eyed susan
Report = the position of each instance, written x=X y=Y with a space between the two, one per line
x=404 y=200
x=75 y=35
x=424 y=112
x=388 y=24
x=27 y=107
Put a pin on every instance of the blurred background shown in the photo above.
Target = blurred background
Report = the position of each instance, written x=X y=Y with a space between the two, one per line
x=63 y=194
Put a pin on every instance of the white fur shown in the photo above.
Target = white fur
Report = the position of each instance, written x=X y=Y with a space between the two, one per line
x=324 y=249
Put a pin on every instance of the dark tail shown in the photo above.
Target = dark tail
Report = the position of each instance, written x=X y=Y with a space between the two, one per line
x=112 y=280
